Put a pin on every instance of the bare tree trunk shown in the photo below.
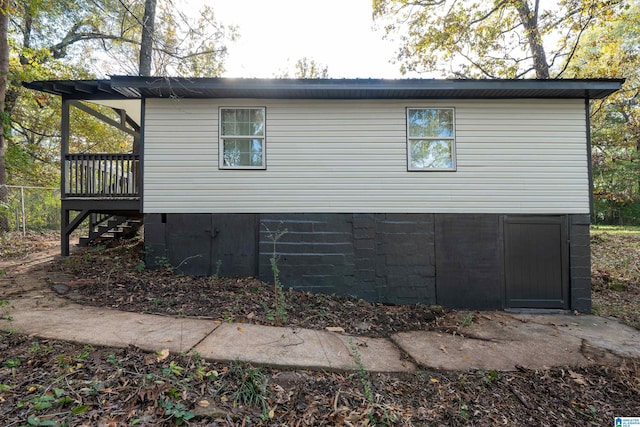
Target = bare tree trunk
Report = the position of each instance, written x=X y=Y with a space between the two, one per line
x=529 y=20
x=4 y=71
x=146 y=45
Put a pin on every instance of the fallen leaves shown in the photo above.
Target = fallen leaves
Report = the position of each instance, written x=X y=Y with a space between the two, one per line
x=118 y=385
x=577 y=378
x=615 y=273
x=162 y=354
x=116 y=283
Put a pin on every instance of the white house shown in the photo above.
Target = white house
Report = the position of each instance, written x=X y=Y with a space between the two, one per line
x=464 y=193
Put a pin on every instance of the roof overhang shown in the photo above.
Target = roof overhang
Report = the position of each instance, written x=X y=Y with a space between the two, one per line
x=134 y=87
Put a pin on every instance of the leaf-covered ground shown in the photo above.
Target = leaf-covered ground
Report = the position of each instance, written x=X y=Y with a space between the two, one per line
x=116 y=278
x=615 y=272
x=14 y=245
x=45 y=382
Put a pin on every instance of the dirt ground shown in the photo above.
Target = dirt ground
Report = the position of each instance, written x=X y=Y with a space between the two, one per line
x=47 y=382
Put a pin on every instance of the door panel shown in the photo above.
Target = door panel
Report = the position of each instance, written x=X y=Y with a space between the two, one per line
x=536 y=268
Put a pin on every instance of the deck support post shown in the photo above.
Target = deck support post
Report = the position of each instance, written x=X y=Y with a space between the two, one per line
x=64 y=236
x=69 y=226
x=64 y=150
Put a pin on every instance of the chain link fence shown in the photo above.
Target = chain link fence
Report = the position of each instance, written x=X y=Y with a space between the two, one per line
x=25 y=208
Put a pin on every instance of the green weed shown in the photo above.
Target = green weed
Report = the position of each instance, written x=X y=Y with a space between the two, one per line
x=175 y=412
x=252 y=386
x=163 y=262
x=491 y=376
x=173 y=369
x=4 y=311
x=12 y=363
x=467 y=320
x=362 y=372
x=113 y=360
x=35 y=421
x=84 y=355
x=280 y=304
x=216 y=276
x=618 y=286
x=141 y=266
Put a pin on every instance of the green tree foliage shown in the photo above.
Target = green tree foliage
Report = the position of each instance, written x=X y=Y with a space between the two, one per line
x=40 y=39
x=613 y=50
x=78 y=39
x=307 y=68
x=495 y=39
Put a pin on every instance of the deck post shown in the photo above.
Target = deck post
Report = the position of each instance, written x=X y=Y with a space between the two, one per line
x=64 y=150
x=64 y=233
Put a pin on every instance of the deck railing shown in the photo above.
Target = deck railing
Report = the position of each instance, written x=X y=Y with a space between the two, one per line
x=101 y=175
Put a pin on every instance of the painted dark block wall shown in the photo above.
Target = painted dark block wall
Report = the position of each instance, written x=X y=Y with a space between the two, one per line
x=455 y=260
x=405 y=258
x=379 y=257
x=469 y=261
x=315 y=251
x=202 y=244
x=580 y=263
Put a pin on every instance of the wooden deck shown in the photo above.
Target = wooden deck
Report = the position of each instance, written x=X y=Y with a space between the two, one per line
x=102 y=175
x=98 y=185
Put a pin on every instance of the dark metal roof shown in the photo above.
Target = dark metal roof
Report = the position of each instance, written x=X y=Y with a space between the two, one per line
x=127 y=87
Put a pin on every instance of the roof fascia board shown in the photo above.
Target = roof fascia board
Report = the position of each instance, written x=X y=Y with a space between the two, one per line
x=135 y=87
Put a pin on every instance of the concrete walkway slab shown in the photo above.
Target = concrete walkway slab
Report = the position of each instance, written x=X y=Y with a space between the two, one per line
x=600 y=332
x=378 y=354
x=494 y=340
x=281 y=347
x=447 y=351
x=58 y=319
x=497 y=341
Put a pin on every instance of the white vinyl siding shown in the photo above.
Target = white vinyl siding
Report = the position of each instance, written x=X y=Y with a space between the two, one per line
x=513 y=156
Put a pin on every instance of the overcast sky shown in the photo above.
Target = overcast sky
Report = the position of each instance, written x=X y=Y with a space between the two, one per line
x=274 y=34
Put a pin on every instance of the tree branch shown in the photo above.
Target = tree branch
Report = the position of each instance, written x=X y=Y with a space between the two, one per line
x=573 y=50
x=498 y=6
x=24 y=130
x=58 y=50
x=480 y=67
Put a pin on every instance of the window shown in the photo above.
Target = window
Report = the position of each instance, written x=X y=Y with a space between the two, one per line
x=242 y=134
x=431 y=139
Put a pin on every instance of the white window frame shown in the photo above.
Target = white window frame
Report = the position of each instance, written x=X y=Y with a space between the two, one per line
x=452 y=138
x=221 y=139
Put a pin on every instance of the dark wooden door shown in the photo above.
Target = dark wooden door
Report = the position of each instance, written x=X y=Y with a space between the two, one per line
x=536 y=262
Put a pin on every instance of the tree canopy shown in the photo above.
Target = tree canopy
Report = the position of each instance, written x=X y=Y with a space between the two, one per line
x=79 y=39
x=489 y=39
x=306 y=68
x=613 y=50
